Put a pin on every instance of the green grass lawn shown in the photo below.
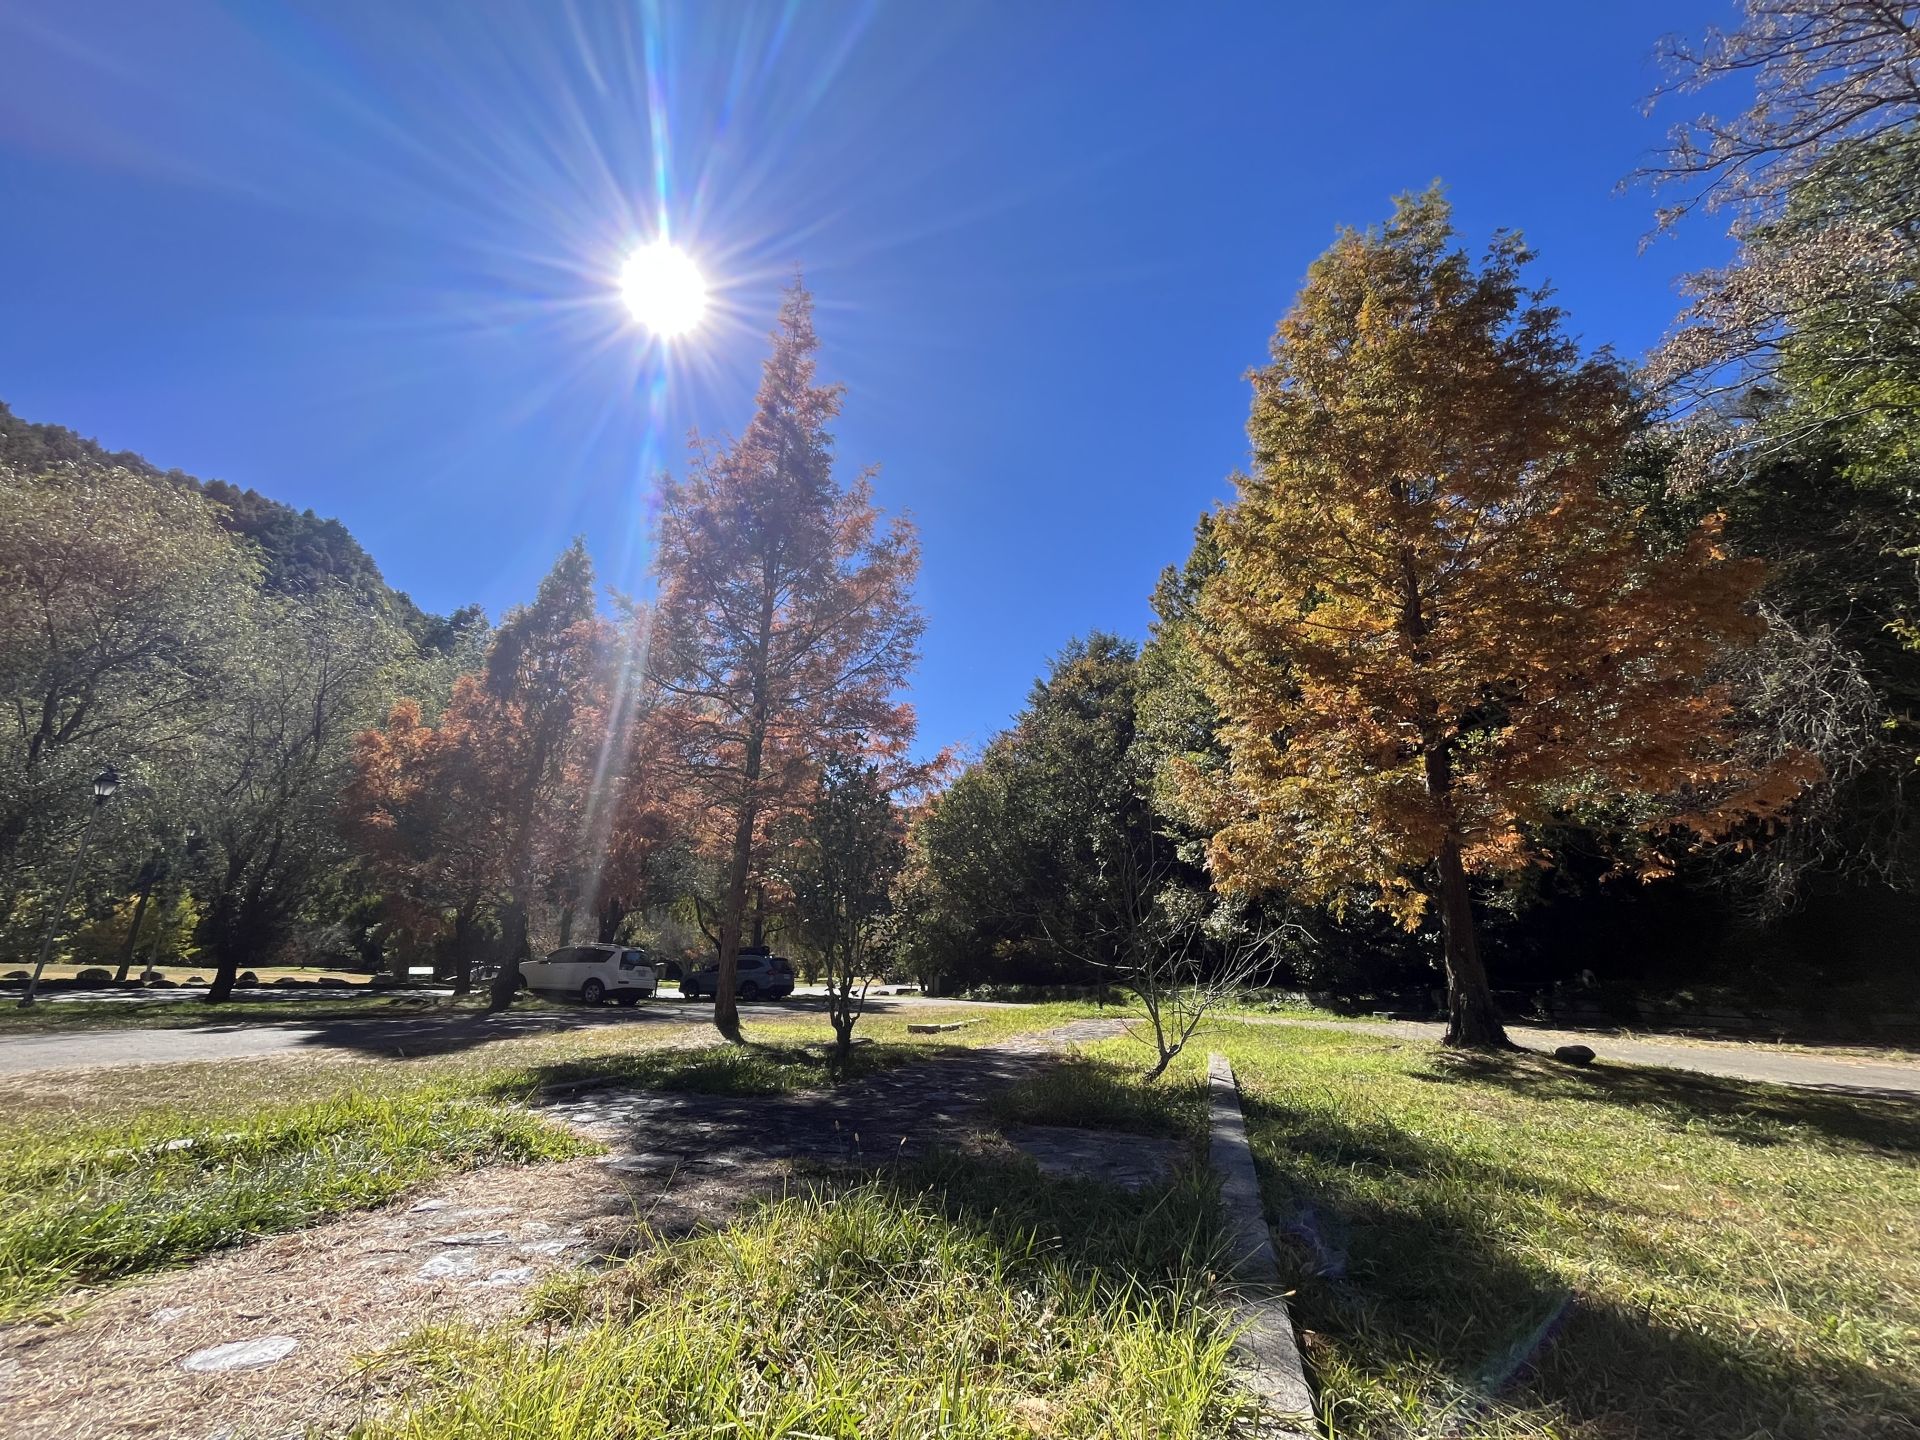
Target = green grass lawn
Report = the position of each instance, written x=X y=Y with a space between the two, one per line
x=96 y=1184
x=61 y=1017
x=1505 y=1247
x=1100 y=1089
x=91 y=1203
x=1480 y=1247
x=955 y=1298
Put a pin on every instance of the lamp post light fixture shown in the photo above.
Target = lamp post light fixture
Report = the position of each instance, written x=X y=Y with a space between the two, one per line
x=104 y=784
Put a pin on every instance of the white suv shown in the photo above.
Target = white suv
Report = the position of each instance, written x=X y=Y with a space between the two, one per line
x=592 y=973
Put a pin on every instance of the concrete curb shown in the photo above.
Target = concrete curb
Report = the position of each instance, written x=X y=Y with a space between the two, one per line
x=1266 y=1356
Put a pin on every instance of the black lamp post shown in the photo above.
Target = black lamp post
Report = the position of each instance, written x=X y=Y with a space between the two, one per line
x=104 y=784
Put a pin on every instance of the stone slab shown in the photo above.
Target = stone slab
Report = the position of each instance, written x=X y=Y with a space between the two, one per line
x=1267 y=1355
x=242 y=1354
x=1132 y=1162
x=447 y=1265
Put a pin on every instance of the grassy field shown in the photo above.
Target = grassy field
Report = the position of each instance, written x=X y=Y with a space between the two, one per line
x=956 y=1298
x=90 y=1203
x=1481 y=1247
x=1100 y=1090
x=61 y=1017
x=1505 y=1247
x=128 y=1170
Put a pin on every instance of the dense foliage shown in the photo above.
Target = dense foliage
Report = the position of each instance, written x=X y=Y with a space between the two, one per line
x=1494 y=625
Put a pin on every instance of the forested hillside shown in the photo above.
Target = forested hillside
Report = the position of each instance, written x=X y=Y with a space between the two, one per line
x=301 y=550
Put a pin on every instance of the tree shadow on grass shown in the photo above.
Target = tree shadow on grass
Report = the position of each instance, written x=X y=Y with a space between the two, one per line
x=1746 y=1111
x=1420 y=1318
x=427 y=1036
x=729 y=1104
x=749 y=1069
x=1166 y=1235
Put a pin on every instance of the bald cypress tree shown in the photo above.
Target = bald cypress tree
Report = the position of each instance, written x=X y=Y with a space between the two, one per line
x=786 y=622
x=538 y=678
x=1434 y=628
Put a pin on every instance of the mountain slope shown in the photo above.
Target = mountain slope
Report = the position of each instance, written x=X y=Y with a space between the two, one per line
x=301 y=550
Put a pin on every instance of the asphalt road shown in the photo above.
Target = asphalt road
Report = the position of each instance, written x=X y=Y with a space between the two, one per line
x=425 y=1035
x=1734 y=1059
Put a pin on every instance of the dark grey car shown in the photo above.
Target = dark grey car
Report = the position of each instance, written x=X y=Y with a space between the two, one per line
x=762 y=977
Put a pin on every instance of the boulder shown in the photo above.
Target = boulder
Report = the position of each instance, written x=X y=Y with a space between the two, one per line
x=163 y=984
x=1574 y=1054
x=246 y=977
x=93 y=975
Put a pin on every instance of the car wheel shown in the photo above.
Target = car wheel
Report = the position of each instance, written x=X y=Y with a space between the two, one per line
x=593 y=992
x=750 y=991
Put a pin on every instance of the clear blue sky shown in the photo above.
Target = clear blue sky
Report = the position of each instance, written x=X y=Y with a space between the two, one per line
x=359 y=255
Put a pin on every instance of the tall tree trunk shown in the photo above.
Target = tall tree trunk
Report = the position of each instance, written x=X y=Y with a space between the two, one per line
x=224 y=930
x=612 y=916
x=513 y=949
x=1472 y=1021
x=513 y=920
x=148 y=874
x=463 y=919
x=726 y=1010
x=226 y=971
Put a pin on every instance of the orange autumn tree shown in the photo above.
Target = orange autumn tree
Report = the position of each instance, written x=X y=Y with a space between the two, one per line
x=421 y=815
x=1435 y=629
x=785 y=626
x=476 y=816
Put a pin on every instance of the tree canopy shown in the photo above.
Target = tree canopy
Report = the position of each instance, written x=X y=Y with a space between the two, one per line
x=1435 y=628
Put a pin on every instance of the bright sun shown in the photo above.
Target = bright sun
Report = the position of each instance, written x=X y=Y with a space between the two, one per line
x=663 y=289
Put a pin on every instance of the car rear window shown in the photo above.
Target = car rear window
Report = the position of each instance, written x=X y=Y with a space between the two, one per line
x=632 y=959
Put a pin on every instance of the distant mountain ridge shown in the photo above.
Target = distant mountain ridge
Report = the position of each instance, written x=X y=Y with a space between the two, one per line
x=301 y=550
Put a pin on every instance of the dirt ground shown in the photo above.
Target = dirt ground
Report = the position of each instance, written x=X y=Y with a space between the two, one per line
x=465 y=1249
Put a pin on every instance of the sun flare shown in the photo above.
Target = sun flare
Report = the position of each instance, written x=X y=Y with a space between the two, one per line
x=663 y=289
